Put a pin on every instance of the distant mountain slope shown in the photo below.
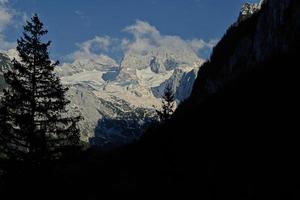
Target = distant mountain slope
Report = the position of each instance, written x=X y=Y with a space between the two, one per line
x=116 y=99
x=4 y=63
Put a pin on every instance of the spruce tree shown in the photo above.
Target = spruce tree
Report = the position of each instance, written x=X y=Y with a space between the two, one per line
x=167 y=108
x=34 y=121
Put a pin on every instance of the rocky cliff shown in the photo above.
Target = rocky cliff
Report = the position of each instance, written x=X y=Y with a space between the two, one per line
x=269 y=32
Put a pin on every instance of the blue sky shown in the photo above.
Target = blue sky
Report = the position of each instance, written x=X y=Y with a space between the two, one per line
x=73 y=22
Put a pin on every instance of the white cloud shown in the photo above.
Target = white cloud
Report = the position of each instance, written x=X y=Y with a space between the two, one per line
x=142 y=29
x=212 y=43
x=98 y=42
x=84 y=17
x=91 y=49
x=6 y=16
x=3 y=1
x=144 y=38
x=198 y=44
x=147 y=37
x=81 y=15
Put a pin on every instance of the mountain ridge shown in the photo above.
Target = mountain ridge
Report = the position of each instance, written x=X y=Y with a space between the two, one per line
x=98 y=84
x=135 y=81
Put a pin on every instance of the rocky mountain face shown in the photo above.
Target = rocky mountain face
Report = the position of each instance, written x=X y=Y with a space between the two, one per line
x=248 y=9
x=119 y=101
x=268 y=32
x=4 y=63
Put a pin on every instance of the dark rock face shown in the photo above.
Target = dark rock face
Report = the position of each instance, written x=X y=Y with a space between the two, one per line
x=4 y=63
x=234 y=137
x=269 y=32
x=181 y=81
x=248 y=10
x=110 y=75
x=2 y=82
x=155 y=66
x=171 y=64
x=126 y=127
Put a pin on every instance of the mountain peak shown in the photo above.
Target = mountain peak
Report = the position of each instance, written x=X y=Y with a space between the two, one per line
x=248 y=9
x=132 y=88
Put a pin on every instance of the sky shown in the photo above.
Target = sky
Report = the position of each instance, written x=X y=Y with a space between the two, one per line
x=83 y=28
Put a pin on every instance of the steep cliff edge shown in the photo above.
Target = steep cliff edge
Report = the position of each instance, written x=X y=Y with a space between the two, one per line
x=235 y=136
x=272 y=31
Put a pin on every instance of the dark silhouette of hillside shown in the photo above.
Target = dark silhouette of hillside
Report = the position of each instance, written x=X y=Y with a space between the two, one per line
x=235 y=138
x=238 y=144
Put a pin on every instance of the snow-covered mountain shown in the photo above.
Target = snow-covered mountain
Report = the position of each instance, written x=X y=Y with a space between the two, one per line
x=119 y=100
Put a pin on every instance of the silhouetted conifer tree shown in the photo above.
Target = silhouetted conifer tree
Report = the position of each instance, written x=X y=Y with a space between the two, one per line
x=34 y=121
x=167 y=108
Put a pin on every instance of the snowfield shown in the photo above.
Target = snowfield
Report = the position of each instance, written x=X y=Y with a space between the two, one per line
x=118 y=101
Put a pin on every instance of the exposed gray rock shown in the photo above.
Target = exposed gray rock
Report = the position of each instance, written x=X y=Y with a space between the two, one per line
x=181 y=82
x=118 y=101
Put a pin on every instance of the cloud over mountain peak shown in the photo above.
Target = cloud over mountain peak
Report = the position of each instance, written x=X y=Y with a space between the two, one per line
x=142 y=38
